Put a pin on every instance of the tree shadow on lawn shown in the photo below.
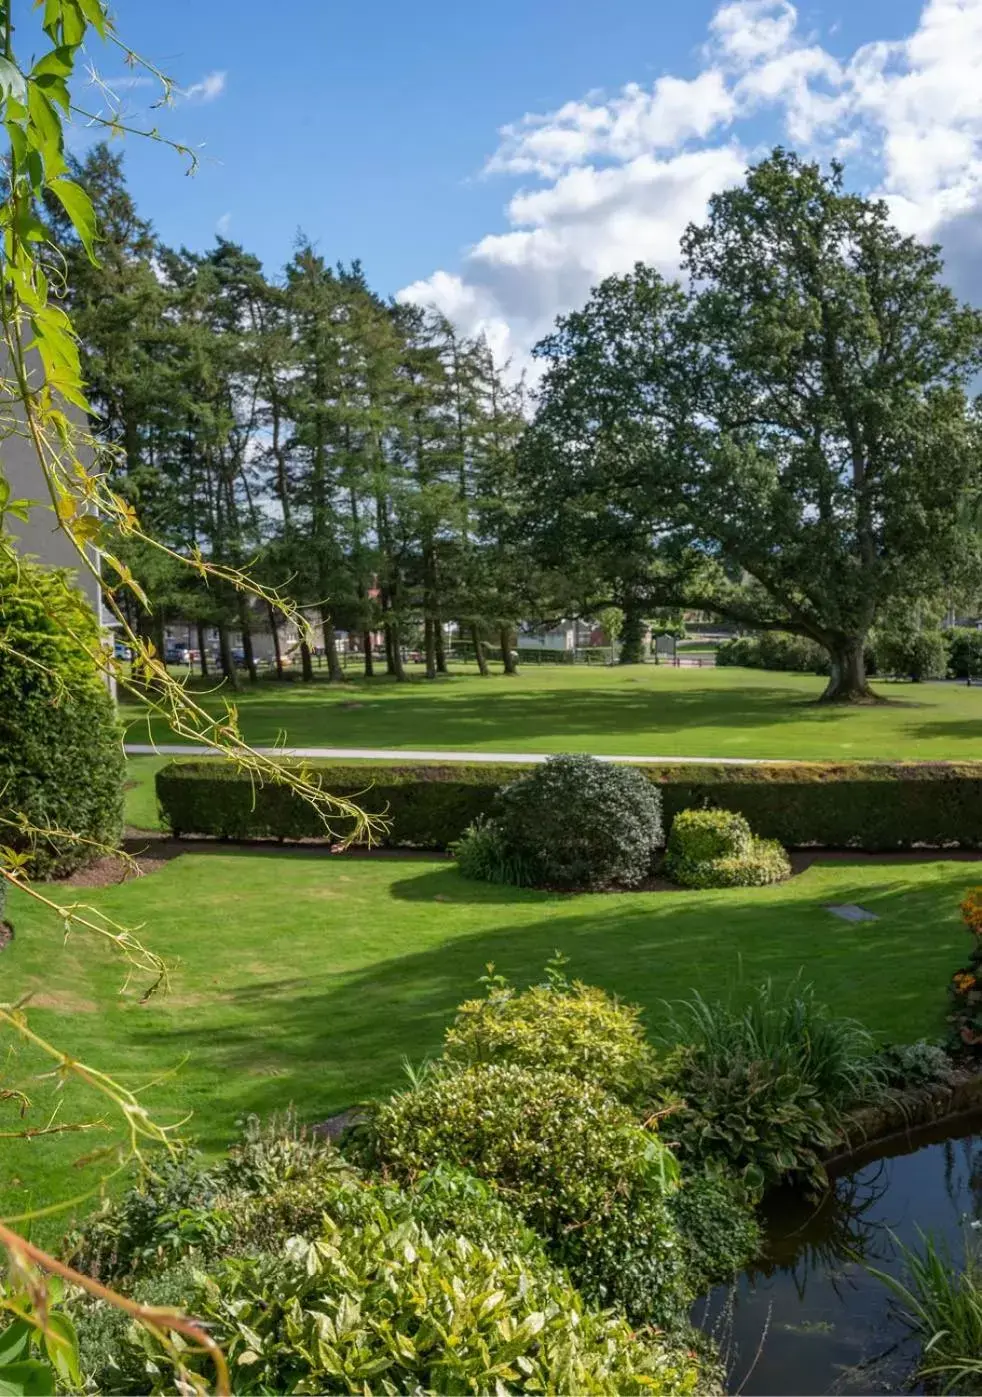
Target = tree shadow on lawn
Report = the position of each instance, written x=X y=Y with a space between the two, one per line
x=324 y=1042
x=457 y=720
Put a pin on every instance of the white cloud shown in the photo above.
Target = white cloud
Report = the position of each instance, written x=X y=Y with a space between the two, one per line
x=617 y=178
x=222 y=224
x=209 y=87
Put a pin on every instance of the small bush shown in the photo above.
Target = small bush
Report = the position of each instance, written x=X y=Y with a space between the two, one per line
x=570 y=1158
x=61 y=754
x=764 y=1087
x=580 y=823
x=717 y=849
x=921 y=1064
x=718 y=1226
x=387 y=1307
x=560 y=1026
x=270 y=1154
x=116 y=1353
x=176 y=1209
x=483 y=855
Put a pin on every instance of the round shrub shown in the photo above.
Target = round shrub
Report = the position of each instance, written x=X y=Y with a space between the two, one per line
x=61 y=754
x=717 y=849
x=574 y=1162
x=580 y=823
x=563 y=1026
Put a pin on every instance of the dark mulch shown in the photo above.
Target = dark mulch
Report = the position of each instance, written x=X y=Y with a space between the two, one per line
x=115 y=869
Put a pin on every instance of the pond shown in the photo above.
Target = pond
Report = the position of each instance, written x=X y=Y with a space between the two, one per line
x=809 y=1317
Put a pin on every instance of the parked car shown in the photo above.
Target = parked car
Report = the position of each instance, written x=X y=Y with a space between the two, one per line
x=121 y=651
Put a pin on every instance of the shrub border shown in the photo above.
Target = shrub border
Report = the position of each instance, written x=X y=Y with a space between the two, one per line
x=867 y=806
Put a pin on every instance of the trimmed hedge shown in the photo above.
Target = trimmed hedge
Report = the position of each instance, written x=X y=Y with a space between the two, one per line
x=863 y=805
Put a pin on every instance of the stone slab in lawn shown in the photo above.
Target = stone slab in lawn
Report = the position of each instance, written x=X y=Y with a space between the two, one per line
x=851 y=912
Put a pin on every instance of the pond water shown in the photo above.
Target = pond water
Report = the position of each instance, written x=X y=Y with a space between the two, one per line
x=809 y=1317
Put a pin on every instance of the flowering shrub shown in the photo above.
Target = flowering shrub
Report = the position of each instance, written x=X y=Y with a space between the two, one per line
x=965 y=989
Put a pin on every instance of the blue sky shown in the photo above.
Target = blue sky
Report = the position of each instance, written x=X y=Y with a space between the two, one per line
x=370 y=127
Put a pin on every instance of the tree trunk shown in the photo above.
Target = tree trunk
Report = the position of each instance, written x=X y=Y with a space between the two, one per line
x=335 y=672
x=847 y=681
x=390 y=660
x=429 y=646
x=247 y=650
x=508 y=656
x=225 y=655
x=366 y=640
x=202 y=657
x=275 y=631
x=482 y=663
x=306 y=663
x=439 y=646
x=394 y=650
x=632 y=636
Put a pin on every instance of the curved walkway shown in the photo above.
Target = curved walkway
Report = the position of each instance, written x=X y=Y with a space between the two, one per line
x=391 y=754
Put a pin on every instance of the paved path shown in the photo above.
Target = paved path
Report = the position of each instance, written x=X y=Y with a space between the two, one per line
x=389 y=754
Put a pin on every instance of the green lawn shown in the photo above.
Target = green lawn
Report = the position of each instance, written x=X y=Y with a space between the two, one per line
x=645 y=711
x=306 y=979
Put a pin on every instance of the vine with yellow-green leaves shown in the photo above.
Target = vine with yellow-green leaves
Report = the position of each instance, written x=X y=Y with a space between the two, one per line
x=42 y=401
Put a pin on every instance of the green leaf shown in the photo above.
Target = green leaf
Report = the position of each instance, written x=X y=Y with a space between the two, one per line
x=12 y=80
x=59 y=63
x=30 y=1378
x=15 y=1339
x=78 y=206
x=61 y=1346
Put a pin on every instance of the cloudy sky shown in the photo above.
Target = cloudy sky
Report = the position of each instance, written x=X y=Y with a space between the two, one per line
x=498 y=162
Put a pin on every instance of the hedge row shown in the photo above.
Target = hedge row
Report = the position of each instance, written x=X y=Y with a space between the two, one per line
x=863 y=805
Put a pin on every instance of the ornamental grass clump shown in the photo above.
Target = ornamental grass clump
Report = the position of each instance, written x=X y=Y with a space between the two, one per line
x=764 y=1087
x=718 y=849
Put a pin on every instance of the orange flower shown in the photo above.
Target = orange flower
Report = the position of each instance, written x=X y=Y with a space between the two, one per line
x=971 y=910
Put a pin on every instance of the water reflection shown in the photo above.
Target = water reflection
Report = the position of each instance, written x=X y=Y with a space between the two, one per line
x=808 y=1318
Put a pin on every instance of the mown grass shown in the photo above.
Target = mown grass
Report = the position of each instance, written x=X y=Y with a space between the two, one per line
x=643 y=710
x=308 y=979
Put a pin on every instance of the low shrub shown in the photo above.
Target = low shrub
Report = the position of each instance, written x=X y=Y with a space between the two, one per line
x=177 y=1208
x=118 y=1355
x=718 y=1225
x=388 y=1307
x=570 y=1158
x=765 y=1086
x=560 y=1026
x=717 y=849
x=859 y=805
x=61 y=753
x=909 y=1065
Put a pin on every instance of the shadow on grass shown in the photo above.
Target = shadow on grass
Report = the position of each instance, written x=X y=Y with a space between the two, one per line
x=325 y=1041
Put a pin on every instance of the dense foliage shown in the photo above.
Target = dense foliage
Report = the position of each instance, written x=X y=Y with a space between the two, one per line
x=765 y=1085
x=717 y=849
x=858 y=805
x=912 y=652
x=575 y=1162
x=783 y=439
x=61 y=755
x=575 y=822
x=774 y=650
x=964 y=653
x=557 y=1025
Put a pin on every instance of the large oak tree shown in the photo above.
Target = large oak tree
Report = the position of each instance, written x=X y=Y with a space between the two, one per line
x=797 y=421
